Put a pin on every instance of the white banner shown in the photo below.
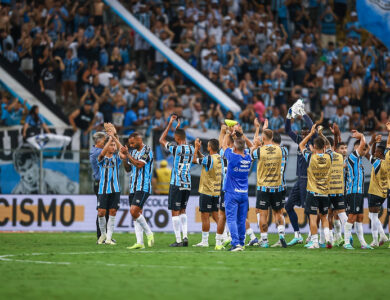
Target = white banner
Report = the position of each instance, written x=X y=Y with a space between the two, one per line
x=78 y=213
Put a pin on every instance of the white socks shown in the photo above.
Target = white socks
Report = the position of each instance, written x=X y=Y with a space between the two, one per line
x=297 y=234
x=144 y=225
x=322 y=234
x=205 y=237
x=183 y=220
x=258 y=219
x=218 y=239
x=139 y=233
x=343 y=218
x=314 y=238
x=176 y=228
x=374 y=226
x=360 y=234
x=251 y=234
x=337 y=229
x=380 y=228
x=264 y=236
x=327 y=234
x=102 y=225
x=281 y=230
x=347 y=232
x=110 y=227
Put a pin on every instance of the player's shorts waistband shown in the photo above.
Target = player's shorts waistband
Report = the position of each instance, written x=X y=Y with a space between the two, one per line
x=335 y=195
x=317 y=194
x=270 y=189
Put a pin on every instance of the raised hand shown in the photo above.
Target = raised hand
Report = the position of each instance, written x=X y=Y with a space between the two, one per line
x=173 y=118
x=378 y=138
x=198 y=143
x=265 y=125
x=388 y=126
x=257 y=123
x=178 y=124
x=356 y=134
x=313 y=129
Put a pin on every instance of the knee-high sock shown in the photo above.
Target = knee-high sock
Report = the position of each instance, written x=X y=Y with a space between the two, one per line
x=347 y=232
x=183 y=220
x=218 y=239
x=176 y=228
x=360 y=234
x=343 y=218
x=374 y=226
x=380 y=228
x=322 y=234
x=337 y=229
x=139 y=233
x=327 y=234
x=110 y=227
x=258 y=219
x=102 y=224
x=144 y=225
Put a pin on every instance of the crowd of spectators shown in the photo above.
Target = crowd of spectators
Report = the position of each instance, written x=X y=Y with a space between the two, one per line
x=264 y=54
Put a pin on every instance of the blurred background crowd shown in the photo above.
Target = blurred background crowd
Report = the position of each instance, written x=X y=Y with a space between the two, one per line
x=264 y=54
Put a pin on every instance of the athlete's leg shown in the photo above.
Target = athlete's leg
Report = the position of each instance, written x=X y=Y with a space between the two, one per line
x=241 y=218
x=292 y=201
x=231 y=210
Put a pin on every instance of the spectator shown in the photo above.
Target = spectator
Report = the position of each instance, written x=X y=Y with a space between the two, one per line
x=328 y=26
x=371 y=122
x=341 y=119
x=34 y=123
x=353 y=28
x=276 y=122
x=48 y=80
x=69 y=76
x=16 y=112
x=202 y=123
x=83 y=119
x=131 y=120
x=329 y=103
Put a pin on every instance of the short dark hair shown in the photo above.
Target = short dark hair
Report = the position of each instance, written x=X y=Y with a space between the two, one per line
x=357 y=142
x=381 y=148
x=181 y=133
x=268 y=133
x=319 y=142
x=341 y=144
x=239 y=144
x=277 y=138
x=134 y=135
x=330 y=140
x=214 y=144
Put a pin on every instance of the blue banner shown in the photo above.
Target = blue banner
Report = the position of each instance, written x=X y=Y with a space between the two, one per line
x=20 y=163
x=374 y=15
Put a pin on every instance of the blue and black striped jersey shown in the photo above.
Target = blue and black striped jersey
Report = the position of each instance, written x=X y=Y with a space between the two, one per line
x=183 y=156
x=224 y=167
x=109 y=174
x=141 y=179
x=355 y=174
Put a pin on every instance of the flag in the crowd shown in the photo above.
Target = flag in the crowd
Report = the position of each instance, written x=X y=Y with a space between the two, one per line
x=374 y=15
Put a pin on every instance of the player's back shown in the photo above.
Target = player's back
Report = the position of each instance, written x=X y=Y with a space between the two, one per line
x=379 y=176
x=237 y=171
x=336 y=178
x=318 y=172
x=210 y=177
x=183 y=157
x=355 y=173
x=269 y=166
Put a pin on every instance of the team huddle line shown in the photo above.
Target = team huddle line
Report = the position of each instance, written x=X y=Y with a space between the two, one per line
x=330 y=184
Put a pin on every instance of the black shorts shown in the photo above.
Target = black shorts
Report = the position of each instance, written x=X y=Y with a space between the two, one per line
x=316 y=203
x=109 y=201
x=208 y=203
x=375 y=201
x=138 y=199
x=284 y=193
x=96 y=187
x=177 y=198
x=266 y=199
x=355 y=203
x=222 y=202
x=337 y=202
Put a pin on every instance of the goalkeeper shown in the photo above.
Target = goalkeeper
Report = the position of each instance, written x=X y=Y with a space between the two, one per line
x=298 y=193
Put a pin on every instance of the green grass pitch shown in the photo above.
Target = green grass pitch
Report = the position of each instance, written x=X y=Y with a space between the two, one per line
x=72 y=266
